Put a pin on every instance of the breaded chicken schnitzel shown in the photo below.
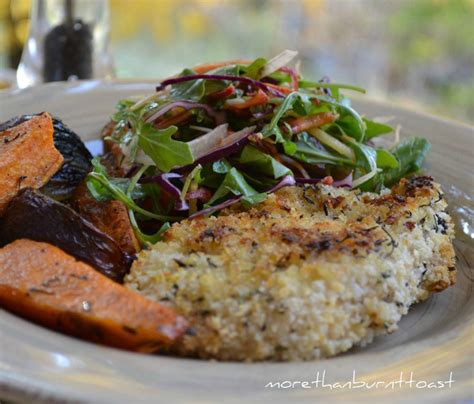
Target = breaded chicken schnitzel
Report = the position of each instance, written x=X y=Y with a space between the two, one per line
x=308 y=273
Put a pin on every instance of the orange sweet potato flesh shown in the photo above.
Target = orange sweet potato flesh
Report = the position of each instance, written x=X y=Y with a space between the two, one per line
x=44 y=284
x=111 y=217
x=28 y=157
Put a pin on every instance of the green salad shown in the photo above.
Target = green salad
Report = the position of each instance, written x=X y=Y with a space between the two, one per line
x=233 y=132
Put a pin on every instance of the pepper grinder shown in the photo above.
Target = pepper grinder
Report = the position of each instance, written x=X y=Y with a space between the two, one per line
x=68 y=40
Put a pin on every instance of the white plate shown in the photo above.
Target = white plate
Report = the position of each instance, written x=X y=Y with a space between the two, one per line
x=434 y=339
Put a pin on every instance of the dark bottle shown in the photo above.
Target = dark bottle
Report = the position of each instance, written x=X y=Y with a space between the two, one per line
x=68 y=40
x=68 y=49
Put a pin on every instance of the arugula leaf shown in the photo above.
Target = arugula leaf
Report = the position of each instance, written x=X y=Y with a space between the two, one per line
x=213 y=173
x=272 y=128
x=193 y=177
x=97 y=166
x=350 y=126
x=280 y=77
x=290 y=148
x=334 y=87
x=124 y=118
x=221 y=166
x=374 y=129
x=309 y=151
x=349 y=120
x=188 y=90
x=262 y=162
x=147 y=239
x=102 y=188
x=123 y=110
x=258 y=182
x=195 y=90
x=255 y=68
x=250 y=200
x=234 y=183
x=366 y=156
x=410 y=153
x=304 y=106
x=231 y=70
x=366 y=164
x=103 y=193
x=165 y=152
x=300 y=103
x=385 y=159
x=124 y=183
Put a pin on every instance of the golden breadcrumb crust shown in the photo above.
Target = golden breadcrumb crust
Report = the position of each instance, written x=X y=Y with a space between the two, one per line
x=308 y=273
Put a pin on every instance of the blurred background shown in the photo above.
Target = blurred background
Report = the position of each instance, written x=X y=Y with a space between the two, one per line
x=419 y=53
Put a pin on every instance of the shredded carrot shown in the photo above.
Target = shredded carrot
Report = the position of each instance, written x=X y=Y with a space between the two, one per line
x=260 y=98
x=226 y=92
x=327 y=180
x=312 y=121
x=284 y=90
x=206 y=67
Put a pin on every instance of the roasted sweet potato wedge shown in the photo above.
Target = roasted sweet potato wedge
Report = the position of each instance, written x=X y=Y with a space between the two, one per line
x=37 y=217
x=77 y=159
x=44 y=284
x=28 y=157
x=111 y=217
